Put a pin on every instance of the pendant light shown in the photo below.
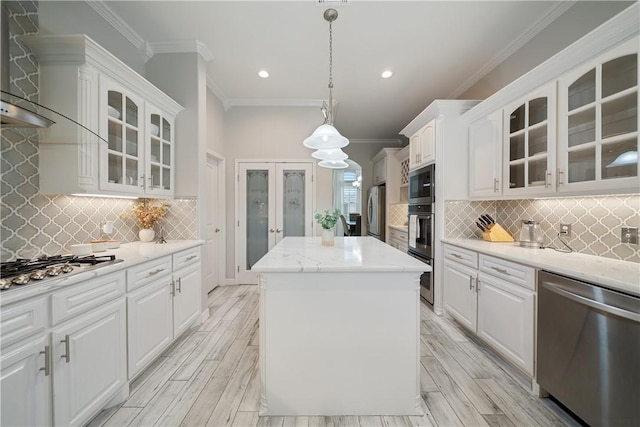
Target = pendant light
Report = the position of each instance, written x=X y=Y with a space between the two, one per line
x=330 y=154
x=334 y=164
x=327 y=137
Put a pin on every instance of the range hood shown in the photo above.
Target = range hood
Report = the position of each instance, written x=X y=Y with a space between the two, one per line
x=13 y=114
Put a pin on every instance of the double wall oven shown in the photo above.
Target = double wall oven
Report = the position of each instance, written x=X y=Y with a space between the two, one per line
x=421 y=223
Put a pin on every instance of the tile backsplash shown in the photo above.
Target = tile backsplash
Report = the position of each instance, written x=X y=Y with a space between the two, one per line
x=595 y=221
x=398 y=214
x=32 y=224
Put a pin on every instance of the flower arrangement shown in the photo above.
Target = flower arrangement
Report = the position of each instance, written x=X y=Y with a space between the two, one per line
x=146 y=214
x=327 y=220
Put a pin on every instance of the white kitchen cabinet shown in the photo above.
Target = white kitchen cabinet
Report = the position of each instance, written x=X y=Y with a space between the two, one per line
x=495 y=299
x=598 y=123
x=380 y=171
x=485 y=157
x=505 y=320
x=422 y=146
x=89 y=363
x=460 y=298
x=135 y=120
x=530 y=143
x=186 y=299
x=149 y=323
x=25 y=383
x=398 y=239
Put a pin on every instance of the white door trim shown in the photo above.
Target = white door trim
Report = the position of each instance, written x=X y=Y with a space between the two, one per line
x=221 y=212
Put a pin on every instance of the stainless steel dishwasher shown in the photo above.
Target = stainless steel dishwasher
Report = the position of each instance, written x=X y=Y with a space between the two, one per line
x=589 y=350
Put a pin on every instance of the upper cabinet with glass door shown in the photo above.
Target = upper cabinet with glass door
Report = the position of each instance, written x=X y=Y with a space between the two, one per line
x=160 y=169
x=529 y=143
x=598 y=123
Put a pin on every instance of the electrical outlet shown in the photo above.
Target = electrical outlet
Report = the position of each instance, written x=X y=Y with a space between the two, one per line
x=629 y=235
x=565 y=230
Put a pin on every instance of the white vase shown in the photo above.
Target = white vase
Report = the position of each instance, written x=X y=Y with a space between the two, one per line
x=146 y=234
x=327 y=237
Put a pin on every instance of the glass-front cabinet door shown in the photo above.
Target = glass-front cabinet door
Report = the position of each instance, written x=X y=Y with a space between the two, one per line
x=275 y=200
x=598 y=123
x=122 y=158
x=529 y=144
x=159 y=173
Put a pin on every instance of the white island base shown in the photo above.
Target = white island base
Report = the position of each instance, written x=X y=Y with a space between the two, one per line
x=339 y=336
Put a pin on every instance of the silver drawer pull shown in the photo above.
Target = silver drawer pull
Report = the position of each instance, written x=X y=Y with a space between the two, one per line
x=501 y=270
x=193 y=256
x=470 y=283
x=47 y=366
x=180 y=284
x=456 y=255
x=66 y=356
x=173 y=288
x=151 y=273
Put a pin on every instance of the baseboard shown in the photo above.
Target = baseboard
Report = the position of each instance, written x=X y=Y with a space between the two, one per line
x=228 y=282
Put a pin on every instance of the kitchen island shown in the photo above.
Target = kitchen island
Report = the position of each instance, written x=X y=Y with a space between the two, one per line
x=339 y=328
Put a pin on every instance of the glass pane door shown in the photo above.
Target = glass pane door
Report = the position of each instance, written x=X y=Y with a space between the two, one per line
x=294 y=215
x=257 y=213
x=123 y=160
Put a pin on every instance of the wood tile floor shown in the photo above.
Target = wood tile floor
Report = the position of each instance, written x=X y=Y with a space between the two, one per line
x=210 y=377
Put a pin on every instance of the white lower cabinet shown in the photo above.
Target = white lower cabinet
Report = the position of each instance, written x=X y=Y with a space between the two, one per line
x=186 y=299
x=25 y=384
x=149 y=324
x=505 y=319
x=460 y=299
x=495 y=300
x=89 y=363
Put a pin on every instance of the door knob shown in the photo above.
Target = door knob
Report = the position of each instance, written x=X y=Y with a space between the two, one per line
x=278 y=230
x=271 y=230
x=217 y=230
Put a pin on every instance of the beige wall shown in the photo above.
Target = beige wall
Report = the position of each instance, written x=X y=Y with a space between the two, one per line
x=578 y=20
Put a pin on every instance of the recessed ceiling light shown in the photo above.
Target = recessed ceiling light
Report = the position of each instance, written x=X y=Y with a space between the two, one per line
x=386 y=74
x=263 y=73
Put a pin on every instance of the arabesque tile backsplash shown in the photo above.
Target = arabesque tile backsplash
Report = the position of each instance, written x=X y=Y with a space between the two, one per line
x=595 y=221
x=32 y=224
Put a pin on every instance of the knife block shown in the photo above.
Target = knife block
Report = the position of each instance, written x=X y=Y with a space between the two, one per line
x=497 y=234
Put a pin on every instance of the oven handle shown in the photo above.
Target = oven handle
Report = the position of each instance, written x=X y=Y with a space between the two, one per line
x=635 y=317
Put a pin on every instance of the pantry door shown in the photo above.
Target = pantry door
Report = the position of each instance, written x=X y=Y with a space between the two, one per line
x=275 y=200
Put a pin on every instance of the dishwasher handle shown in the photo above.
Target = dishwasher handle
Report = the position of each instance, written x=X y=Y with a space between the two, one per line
x=635 y=317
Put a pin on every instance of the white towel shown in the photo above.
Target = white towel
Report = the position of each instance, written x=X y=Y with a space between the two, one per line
x=413 y=230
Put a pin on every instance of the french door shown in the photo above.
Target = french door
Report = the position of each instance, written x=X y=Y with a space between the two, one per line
x=275 y=200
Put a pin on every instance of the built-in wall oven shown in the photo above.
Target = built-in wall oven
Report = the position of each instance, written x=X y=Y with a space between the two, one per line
x=420 y=230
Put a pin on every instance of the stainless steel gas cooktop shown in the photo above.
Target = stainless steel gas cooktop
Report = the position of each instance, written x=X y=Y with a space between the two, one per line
x=25 y=271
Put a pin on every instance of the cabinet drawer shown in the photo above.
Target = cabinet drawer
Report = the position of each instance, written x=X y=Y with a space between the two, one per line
x=185 y=258
x=23 y=319
x=463 y=256
x=83 y=297
x=143 y=274
x=517 y=274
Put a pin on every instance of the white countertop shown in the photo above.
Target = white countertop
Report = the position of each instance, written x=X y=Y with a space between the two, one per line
x=130 y=253
x=349 y=254
x=611 y=273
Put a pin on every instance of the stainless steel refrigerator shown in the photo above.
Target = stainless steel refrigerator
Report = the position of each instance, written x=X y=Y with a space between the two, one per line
x=375 y=212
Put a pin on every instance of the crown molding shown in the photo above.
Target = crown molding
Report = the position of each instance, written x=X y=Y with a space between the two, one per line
x=213 y=87
x=116 y=22
x=276 y=103
x=620 y=28
x=190 y=46
x=375 y=141
x=552 y=14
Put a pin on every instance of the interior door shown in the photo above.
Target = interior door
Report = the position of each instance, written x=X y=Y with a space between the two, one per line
x=214 y=254
x=275 y=200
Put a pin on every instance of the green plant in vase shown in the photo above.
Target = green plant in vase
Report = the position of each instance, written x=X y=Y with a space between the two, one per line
x=327 y=221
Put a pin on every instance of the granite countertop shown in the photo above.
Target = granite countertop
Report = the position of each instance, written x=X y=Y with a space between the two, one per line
x=349 y=254
x=130 y=253
x=399 y=227
x=610 y=273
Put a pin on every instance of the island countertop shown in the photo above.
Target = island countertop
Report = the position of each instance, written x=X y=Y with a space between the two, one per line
x=349 y=254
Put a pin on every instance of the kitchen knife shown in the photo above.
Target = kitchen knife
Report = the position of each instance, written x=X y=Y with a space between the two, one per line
x=487 y=219
x=482 y=221
x=492 y=220
x=480 y=227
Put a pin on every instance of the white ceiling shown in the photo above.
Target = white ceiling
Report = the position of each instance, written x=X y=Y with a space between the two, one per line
x=435 y=50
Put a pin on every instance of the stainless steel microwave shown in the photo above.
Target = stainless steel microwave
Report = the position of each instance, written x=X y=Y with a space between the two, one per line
x=422 y=188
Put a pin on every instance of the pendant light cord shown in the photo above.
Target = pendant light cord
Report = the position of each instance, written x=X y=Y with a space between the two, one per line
x=330 y=106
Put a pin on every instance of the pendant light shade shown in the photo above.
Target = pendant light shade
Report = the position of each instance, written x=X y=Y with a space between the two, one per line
x=625 y=159
x=333 y=164
x=327 y=137
x=330 y=154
